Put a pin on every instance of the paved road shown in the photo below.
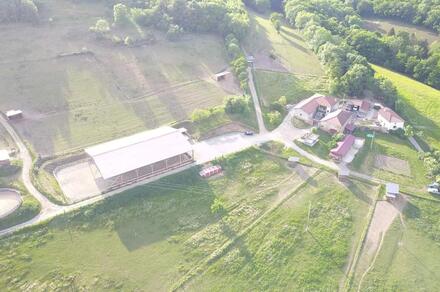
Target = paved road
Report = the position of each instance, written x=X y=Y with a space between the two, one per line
x=259 y=113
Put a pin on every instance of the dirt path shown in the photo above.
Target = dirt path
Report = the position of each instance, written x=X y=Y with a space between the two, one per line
x=384 y=215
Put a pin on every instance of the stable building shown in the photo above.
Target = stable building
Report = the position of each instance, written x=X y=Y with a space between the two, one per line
x=143 y=155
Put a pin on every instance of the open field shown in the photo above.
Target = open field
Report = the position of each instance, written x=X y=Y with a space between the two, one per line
x=151 y=236
x=419 y=104
x=384 y=26
x=392 y=147
x=295 y=248
x=72 y=102
x=289 y=48
x=409 y=259
x=272 y=85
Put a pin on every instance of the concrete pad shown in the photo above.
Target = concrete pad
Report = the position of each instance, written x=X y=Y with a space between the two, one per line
x=80 y=180
x=10 y=200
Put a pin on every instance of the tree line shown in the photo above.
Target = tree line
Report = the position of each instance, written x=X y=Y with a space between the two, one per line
x=419 y=12
x=334 y=31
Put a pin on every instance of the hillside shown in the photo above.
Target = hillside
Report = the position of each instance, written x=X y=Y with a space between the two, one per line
x=420 y=104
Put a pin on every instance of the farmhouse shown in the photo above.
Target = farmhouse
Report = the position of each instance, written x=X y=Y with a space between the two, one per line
x=314 y=108
x=142 y=155
x=336 y=122
x=343 y=147
x=389 y=119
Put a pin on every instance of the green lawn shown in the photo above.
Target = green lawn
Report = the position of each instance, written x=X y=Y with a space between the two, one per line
x=420 y=104
x=393 y=146
x=409 y=259
x=153 y=236
x=272 y=85
x=288 y=46
x=321 y=149
x=280 y=255
x=148 y=237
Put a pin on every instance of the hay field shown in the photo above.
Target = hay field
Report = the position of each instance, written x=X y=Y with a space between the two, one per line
x=289 y=47
x=409 y=259
x=384 y=25
x=73 y=102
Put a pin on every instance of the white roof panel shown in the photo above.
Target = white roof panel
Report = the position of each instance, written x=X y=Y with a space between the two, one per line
x=129 y=153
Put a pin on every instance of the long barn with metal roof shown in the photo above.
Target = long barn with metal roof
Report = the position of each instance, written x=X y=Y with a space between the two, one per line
x=129 y=159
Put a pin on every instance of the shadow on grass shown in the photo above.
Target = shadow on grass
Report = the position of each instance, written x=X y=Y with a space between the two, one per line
x=354 y=189
x=168 y=207
x=296 y=45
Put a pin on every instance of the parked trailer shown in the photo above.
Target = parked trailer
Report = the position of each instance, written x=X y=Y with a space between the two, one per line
x=210 y=171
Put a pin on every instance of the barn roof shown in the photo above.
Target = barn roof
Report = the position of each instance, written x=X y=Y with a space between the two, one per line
x=129 y=153
x=309 y=105
x=337 y=119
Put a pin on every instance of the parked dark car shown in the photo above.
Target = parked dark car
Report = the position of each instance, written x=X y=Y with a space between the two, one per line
x=249 y=133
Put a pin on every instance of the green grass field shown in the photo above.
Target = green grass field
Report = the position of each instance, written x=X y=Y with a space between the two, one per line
x=73 y=102
x=409 y=259
x=153 y=235
x=392 y=146
x=288 y=46
x=420 y=104
x=279 y=254
x=272 y=85
x=321 y=149
x=384 y=26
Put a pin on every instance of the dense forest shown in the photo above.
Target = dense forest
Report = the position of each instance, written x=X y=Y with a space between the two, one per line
x=419 y=12
x=327 y=22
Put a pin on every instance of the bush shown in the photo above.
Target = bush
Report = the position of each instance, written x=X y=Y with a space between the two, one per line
x=121 y=15
x=101 y=28
x=274 y=118
x=236 y=104
x=200 y=115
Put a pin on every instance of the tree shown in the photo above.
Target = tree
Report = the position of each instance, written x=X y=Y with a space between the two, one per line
x=409 y=131
x=275 y=19
x=121 y=15
x=236 y=104
x=100 y=28
x=282 y=100
x=218 y=207
x=391 y=32
x=28 y=11
x=274 y=118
